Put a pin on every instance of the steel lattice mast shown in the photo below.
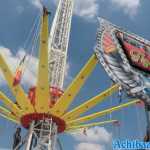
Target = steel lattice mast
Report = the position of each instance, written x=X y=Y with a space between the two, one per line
x=58 y=42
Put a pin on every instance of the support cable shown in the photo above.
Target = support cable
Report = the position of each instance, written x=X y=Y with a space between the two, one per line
x=138 y=122
x=120 y=94
x=21 y=67
x=34 y=43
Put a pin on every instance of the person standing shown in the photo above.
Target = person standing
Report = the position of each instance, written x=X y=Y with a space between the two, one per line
x=17 y=138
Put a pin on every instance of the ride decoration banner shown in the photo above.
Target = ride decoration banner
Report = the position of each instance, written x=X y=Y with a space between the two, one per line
x=125 y=58
x=108 y=44
x=137 y=52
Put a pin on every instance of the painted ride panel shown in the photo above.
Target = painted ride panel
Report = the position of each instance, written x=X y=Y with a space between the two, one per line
x=126 y=59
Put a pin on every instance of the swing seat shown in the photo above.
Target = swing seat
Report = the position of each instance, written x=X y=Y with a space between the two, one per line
x=54 y=92
x=17 y=77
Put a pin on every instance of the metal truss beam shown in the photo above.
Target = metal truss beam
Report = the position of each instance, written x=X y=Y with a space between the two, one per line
x=90 y=103
x=58 y=42
x=101 y=113
x=42 y=135
x=66 y=99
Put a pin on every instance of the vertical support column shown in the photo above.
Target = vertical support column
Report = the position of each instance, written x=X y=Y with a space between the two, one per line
x=30 y=136
x=54 y=137
x=42 y=135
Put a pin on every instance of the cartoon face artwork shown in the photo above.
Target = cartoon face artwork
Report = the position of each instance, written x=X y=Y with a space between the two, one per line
x=136 y=52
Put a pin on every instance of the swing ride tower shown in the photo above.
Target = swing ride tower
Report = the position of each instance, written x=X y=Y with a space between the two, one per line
x=49 y=116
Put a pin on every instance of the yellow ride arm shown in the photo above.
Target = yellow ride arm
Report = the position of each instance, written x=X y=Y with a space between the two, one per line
x=10 y=119
x=90 y=125
x=90 y=103
x=10 y=105
x=8 y=114
x=17 y=90
x=101 y=113
x=42 y=91
x=66 y=99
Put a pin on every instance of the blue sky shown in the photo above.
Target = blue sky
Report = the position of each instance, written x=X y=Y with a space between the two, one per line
x=16 y=20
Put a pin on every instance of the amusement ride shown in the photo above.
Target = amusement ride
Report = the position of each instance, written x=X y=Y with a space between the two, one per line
x=43 y=111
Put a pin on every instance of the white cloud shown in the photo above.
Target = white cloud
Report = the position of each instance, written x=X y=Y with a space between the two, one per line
x=68 y=78
x=87 y=9
x=20 y=9
x=31 y=65
x=129 y=6
x=95 y=134
x=96 y=139
x=67 y=69
x=29 y=76
x=89 y=146
x=37 y=3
